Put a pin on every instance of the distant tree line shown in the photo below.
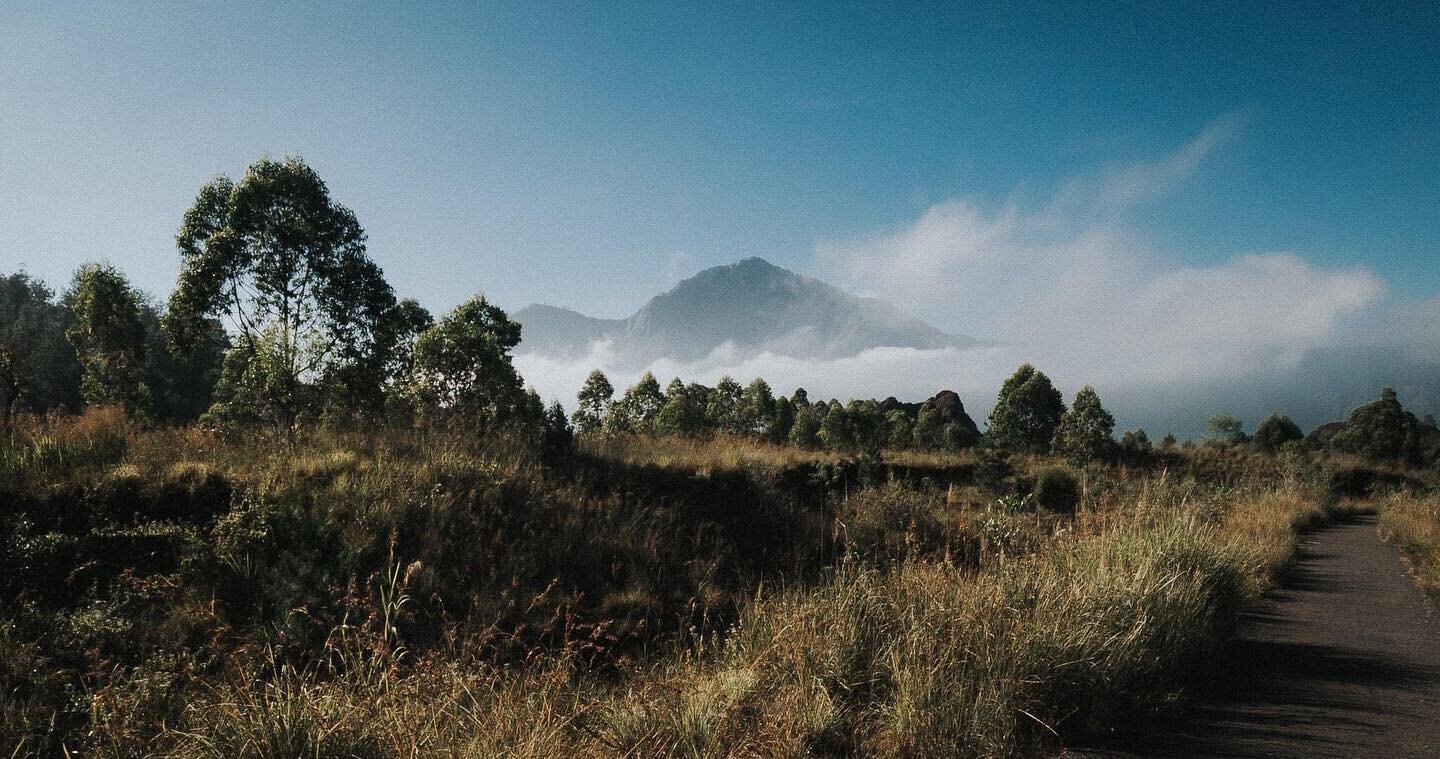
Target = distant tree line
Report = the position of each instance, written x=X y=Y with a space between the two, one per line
x=754 y=411
x=1029 y=416
x=280 y=319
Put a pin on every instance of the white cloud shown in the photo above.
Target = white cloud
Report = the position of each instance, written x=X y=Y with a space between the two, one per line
x=907 y=373
x=1072 y=285
x=1081 y=292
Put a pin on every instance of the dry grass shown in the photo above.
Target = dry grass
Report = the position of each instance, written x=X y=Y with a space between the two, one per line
x=411 y=593
x=1412 y=521
x=720 y=453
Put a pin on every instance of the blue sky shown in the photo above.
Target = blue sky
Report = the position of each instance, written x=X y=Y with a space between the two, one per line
x=588 y=156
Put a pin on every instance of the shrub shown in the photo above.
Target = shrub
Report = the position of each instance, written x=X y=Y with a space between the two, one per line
x=1057 y=490
x=889 y=523
x=994 y=472
x=1275 y=431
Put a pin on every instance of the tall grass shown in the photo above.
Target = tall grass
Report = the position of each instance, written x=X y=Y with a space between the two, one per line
x=1412 y=521
x=703 y=455
x=36 y=447
x=1103 y=623
x=932 y=660
x=418 y=593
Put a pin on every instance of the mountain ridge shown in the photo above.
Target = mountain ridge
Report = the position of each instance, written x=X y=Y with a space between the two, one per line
x=751 y=305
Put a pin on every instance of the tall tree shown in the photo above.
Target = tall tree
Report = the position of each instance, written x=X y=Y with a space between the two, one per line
x=182 y=383
x=724 y=409
x=109 y=339
x=463 y=370
x=1086 y=431
x=684 y=409
x=1026 y=412
x=899 y=429
x=286 y=265
x=757 y=407
x=637 y=408
x=837 y=430
x=363 y=383
x=45 y=371
x=593 y=402
x=805 y=432
x=1381 y=429
x=779 y=431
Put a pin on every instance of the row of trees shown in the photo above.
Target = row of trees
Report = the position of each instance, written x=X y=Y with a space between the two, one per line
x=279 y=316
x=755 y=411
x=98 y=342
x=1029 y=416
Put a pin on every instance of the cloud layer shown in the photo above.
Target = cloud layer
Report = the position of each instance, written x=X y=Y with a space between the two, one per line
x=1072 y=285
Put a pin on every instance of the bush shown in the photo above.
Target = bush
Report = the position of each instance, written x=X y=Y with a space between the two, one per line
x=1275 y=431
x=1057 y=490
x=994 y=472
x=890 y=523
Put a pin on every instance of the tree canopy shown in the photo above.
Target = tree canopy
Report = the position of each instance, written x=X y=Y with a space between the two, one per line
x=593 y=402
x=1026 y=412
x=1086 y=431
x=287 y=267
x=1381 y=429
x=1276 y=430
x=44 y=371
x=109 y=339
x=463 y=370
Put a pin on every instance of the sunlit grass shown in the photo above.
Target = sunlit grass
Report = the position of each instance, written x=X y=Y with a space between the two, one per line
x=436 y=593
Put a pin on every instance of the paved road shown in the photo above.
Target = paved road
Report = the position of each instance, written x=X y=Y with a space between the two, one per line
x=1342 y=660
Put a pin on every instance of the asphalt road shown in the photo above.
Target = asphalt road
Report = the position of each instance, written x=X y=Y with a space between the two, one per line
x=1342 y=660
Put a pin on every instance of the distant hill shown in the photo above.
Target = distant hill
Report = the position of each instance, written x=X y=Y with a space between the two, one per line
x=753 y=305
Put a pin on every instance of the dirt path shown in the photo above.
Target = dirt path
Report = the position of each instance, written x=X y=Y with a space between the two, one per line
x=1343 y=660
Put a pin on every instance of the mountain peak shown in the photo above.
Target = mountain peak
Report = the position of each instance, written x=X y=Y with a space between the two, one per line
x=753 y=306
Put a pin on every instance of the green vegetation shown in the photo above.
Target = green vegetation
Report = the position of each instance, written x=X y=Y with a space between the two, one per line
x=1027 y=412
x=341 y=527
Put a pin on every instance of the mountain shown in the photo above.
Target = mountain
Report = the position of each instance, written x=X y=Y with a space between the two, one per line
x=753 y=305
x=556 y=331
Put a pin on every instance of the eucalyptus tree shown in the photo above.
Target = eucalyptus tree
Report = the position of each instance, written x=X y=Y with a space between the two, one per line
x=463 y=371
x=757 y=407
x=592 y=402
x=286 y=267
x=805 y=431
x=44 y=373
x=725 y=407
x=637 y=409
x=1087 y=431
x=684 y=409
x=1026 y=412
x=109 y=339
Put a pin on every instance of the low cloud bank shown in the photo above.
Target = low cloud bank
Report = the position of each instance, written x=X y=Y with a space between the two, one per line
x=1072 y=285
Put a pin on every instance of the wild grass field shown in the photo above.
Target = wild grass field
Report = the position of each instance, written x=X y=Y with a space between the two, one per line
x=430 y=592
